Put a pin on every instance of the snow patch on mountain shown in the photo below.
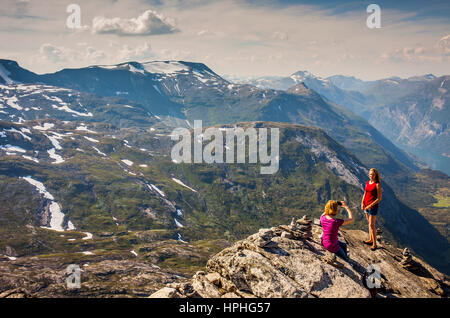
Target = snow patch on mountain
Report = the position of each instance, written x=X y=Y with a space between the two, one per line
x=20 y=132
x=165 y=67
x=70 y=226
x=91 y=139
x=305 y=76
x=39 y=186
x=30 y=158
x=88 y=236
x=129 y=172
x=181 y=183
x=153 y=187
x=179 y=238
x=135 y=70
x=57 y=218
x=201 y=77
x=84 y=128
x=388 y=81
x=12 y=102
x=9 y=147
x=46 y=126
x=53 y=155
x=69 y=110
x=127 y=162
x=54 y=141
x=55 y=215
x=99 y=152
x=178 y=224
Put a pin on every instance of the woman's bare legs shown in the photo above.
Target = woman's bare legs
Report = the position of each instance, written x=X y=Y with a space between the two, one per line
x=370 y=241
x=373 y=230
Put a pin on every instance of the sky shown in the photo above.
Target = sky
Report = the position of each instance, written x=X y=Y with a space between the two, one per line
x=245 y=38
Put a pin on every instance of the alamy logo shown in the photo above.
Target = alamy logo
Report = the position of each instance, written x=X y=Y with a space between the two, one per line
x=73 y=281
x=373 y=279
x=213 y=152
x=74 y=19
x=374 y=20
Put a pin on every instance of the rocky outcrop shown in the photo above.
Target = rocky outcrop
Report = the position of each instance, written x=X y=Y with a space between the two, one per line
x=31 y=278
x=289 y=261
x=119 y=273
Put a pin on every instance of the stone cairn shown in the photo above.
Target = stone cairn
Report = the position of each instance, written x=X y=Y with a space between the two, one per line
x=380 y=237
x=297 y=230
x=407 y=261
x=304 y=226
x=265 y=238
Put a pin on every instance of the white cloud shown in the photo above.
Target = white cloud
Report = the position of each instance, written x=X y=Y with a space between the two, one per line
x=148 y=23
x=278 y=35
x=168 y=54
x=438 y=53
x=206 y=32
x=443 y=45
x=60 y=54
x=92 y=54
x=52 y=53
x=139 y=53
x=87 y=55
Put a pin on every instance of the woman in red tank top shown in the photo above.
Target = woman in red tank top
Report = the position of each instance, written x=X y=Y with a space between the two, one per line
x=369 y=204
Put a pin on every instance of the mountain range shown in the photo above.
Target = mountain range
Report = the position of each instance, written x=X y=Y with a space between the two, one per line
x=413 y=112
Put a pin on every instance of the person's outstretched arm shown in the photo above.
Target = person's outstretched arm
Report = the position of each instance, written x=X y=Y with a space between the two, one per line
x=350 y=214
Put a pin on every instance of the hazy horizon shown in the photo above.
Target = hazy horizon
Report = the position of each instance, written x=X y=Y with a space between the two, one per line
x=226 y=76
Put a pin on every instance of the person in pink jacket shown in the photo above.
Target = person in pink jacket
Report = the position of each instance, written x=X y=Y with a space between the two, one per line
x=331 y=224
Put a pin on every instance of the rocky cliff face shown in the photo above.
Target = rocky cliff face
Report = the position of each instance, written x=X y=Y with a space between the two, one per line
x=418 y=122
x=289 y=261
